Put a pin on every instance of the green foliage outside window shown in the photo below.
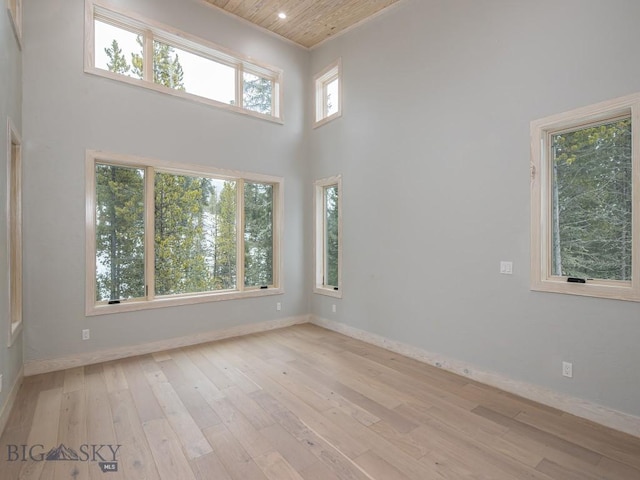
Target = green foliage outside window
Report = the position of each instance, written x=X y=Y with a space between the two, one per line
x=592 y=202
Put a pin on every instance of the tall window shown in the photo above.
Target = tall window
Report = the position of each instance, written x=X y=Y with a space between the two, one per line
x=328 y=93
x=162 y=234
x=14 y=188
x=328 y=235
x=585 y=218
x=139 y=51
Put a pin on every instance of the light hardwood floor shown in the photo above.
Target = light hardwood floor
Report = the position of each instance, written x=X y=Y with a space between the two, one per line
x=298 y=403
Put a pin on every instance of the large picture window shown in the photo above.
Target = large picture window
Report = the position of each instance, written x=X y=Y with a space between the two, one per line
x=136 y=50
x=584 y=210
x=163 y=234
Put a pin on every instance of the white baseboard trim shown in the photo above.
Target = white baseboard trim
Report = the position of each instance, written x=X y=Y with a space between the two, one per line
x=6 y=409
x=608 y=417
x=81 y=359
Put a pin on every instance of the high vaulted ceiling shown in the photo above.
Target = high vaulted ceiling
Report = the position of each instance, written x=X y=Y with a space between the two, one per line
x=307 y=22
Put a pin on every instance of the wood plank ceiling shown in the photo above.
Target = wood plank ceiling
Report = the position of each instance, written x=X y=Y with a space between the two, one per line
x=308 y=22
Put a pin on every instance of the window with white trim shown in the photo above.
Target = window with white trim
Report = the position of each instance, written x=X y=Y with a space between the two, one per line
x=139 y=51
x=585 y=234
x=15 y=13
x=163 y=234
x=328 y=93
x=328 y=236
x=14 y=230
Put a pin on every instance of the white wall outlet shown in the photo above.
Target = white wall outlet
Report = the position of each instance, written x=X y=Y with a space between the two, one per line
x=333 y=308
x=567 y=369
x=506 y=268
x=278 y=306
x=0 y=383
x=86 y=334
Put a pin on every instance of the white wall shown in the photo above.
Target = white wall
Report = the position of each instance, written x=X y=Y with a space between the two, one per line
x=434 y=151
x=67 y=111
x=10 y=107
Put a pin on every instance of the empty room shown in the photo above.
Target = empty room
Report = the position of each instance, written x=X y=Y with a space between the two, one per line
x=341 y=239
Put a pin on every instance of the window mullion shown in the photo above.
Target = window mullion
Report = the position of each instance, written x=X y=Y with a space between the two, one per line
x=149 y=233
x=240 y=221
x=147 y=57
x=239 y=86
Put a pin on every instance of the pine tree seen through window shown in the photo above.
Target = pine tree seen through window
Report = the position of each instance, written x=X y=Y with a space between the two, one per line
x=195 y=234
x=181 y=66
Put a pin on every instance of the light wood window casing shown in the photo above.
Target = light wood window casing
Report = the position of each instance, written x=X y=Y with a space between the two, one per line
x=14 y=7
x=328 y=236
x=170 y=61
x=14 y=229
x=328 y=93
x=563 y=242
x=252 y=258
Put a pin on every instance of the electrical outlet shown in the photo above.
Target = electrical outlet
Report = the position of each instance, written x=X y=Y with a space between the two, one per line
x=567 y=369
x=0 y=383
x=86 y=334
x=333 y=308
x=278 y=306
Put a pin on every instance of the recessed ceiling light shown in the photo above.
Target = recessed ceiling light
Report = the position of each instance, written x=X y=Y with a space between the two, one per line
x=282 y=15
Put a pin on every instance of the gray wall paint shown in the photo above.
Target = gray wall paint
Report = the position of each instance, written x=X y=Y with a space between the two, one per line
x=434 y=151
x=10 y=107
x=67 y=111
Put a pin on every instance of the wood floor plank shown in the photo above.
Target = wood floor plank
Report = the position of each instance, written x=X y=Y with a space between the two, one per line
x=209 y=467
x=275 y=467
x=44 y=431
x=134 y=455
x=146 y=402
x=191 y=438
x=73 y=379
x=72 y=432
x=167 y=451
x=235 y=459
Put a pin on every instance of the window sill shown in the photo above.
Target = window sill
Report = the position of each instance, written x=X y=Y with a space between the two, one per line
x=180 y=94
x=329 y=292
x=608 y=290
x=326 y=120
x=174 y=301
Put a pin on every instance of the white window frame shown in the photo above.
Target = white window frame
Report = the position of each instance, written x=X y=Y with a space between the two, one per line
x=320 y=82
x=14 y=7
x=185 y=41
x=541 y=201
x=94 y=307
x=14 y=230
x=319 y=233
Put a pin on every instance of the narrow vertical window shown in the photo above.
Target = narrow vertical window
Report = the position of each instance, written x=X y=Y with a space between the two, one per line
x=258 y=234
x=14 y=188
x=328 y=94
x=328 y=235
